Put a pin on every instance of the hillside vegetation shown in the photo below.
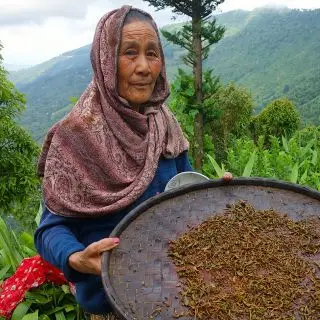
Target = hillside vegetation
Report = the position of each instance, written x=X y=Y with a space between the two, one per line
x=274 y=53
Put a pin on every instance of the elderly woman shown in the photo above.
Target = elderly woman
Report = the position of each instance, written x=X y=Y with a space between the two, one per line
x=119 y=146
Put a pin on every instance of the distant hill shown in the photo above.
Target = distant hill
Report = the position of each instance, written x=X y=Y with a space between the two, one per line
x=15 y=67
x=49 y=86
x=274 y=53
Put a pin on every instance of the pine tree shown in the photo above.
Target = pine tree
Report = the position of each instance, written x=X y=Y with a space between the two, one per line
x=196 y=37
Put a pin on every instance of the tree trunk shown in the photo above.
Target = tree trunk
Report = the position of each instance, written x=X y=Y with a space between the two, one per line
x=197 y=72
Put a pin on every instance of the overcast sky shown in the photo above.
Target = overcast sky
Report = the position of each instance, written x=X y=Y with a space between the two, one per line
x=33 y=31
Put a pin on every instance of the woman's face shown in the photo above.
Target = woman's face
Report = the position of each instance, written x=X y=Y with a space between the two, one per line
x=139 y=63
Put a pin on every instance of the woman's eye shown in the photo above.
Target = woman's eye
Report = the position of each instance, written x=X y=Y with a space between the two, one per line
x=152 y=53
x=130 y=52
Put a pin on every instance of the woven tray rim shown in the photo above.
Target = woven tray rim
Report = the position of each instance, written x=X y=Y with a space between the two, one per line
x=133 y=214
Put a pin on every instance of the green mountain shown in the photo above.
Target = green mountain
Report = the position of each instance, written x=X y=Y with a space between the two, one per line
x=273 y=52
x=276 y=54
x=49 y=86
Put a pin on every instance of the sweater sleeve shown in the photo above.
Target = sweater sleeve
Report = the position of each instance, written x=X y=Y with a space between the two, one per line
x=55 y=242
x=183 y=163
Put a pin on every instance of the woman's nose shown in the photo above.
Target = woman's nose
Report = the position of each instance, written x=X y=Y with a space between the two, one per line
x=142 y=64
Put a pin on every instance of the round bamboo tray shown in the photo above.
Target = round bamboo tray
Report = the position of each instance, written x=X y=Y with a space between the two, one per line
x=140 y=280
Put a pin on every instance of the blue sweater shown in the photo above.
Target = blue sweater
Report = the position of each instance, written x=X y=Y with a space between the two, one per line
x=58 y=237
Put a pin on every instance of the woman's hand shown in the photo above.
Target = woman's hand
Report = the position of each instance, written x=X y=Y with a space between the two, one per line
x=89 y=260
x=227 y=176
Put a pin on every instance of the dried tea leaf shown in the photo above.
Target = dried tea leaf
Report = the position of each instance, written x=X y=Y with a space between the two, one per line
x=250 y=264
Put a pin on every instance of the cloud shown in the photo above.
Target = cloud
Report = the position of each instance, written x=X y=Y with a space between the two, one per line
x=251 y=4
x=162 y=17
x=33 y=31
x=32 y=42
x=14 y=12
x=21 y=12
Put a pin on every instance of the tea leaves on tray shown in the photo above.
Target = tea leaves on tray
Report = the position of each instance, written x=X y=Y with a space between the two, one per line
x=250 y=264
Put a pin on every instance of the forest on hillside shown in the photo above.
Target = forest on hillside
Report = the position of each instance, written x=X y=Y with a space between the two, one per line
x=273 y=53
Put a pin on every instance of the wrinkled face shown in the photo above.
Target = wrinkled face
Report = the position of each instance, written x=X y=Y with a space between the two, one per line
x=139 y=62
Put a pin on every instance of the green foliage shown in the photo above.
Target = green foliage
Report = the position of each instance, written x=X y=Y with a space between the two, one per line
x=196 y=37
x=279 y=118
x=19 y=183
x=11 y=101
x=289 y=160
x=13 y=249
x=210 y=33
x=307 y=134
x=219 y=170
x=183 y=104
x=48 y=302
x=226 y=112
x=183 y=89
x=73 y=100
x=187 y=7
x=19 y=196
x=234 y=105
